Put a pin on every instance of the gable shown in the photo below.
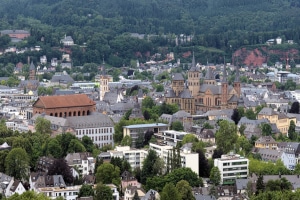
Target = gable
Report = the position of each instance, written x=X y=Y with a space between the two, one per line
x=39 y=104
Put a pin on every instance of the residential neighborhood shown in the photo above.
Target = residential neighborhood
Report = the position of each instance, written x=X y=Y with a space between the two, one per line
x=213 y=123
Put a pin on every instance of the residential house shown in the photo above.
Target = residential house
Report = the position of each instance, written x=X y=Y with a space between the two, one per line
x=266 y=142
x=270 y=155
x=83 y=162
x=127 y=180
x=67 y=41
x=151 y=195
x=207 y=136
x=130 y=192
x=182 y=116
x=292 y=152
x=44 y=163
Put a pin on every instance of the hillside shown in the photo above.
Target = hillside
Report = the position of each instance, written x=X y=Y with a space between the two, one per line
x=158 y=16
x=218 y=27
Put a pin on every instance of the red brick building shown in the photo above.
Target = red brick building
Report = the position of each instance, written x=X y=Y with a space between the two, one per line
x=65 y=105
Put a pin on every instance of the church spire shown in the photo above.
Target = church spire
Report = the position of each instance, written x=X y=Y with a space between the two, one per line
x=193 y=61
x=237 y=74
x=224 y=72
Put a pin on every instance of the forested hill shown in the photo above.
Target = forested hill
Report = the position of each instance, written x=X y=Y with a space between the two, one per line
x=156 y=16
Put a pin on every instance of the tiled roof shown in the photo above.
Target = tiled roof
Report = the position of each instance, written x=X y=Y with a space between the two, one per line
x=76 y=100
x=178 y=77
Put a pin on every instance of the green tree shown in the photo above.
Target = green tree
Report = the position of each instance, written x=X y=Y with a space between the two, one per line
x=250 y=114
x=3 y=155
x=160 y=88
x=148 y=169
x=86 y=191
x=53 y=148
x=189 y=138
x=17 y=163
x=278 y=185
x=76 y=146
x=170 y=192
x=147 y=103
x=61 y=167
x=215 y=176
x=266 y=129
x=103 y=192
x=108 y=173
x=294 y=107
x=226 y=136
x=88 y=143
x=177 y=126
x=185 y=190
x=28 y=195
x=292 y=131
x=184 y=173
x=206 y=125
x=126 y=141
x=43 y=126
x=260 y=186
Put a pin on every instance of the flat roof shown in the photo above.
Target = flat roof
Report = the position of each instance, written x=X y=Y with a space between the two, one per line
x=146 y=125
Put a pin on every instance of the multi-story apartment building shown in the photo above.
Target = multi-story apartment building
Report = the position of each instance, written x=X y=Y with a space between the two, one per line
x=170 y=137
x=188 y=158
x=135 y=157
x=134 y=130
x=232 y=166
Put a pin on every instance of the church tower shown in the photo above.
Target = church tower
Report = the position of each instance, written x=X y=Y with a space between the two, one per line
x=32 y=71
x=237 y=83
x=224 y=89
x=177 y=83
x=194 y=79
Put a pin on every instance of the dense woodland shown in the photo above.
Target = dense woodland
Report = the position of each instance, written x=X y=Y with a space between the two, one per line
x=218 y=27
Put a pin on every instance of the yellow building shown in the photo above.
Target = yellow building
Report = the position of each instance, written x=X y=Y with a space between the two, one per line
x=281 y=120
x=266 y=142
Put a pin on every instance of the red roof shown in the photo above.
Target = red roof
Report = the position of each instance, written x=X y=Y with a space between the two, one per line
x=63 y=101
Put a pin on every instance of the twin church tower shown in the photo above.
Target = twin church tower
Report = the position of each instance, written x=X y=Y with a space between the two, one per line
x=193 y=96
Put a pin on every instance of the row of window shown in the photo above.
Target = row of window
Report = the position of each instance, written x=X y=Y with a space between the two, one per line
x=92 y=131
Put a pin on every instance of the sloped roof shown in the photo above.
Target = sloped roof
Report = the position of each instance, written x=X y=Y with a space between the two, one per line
x=209 y=74
x=185 y=94
x=178 y=77
x=76 y=100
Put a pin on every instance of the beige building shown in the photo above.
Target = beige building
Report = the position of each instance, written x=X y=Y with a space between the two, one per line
x=281 y=120
x=266 y=142
x=103 y=84
x=210 y=95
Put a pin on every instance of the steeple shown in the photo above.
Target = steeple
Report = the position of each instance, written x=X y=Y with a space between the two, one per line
x=237 y=74
x=193 y=67
x=237 y=83
x=224 y=72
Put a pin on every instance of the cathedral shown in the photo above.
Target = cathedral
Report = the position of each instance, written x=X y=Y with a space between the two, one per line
x=209 y=95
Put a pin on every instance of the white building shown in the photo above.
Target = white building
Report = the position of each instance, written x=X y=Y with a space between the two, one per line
x=188 y=158
x=170 y=137
x=84 y=162
x=98 y=127
x=68 y=193
x=231 y=167
x=135 y=157
x=43 y=59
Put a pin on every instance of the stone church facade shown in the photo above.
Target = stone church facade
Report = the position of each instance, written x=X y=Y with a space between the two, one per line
x=210 y=95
